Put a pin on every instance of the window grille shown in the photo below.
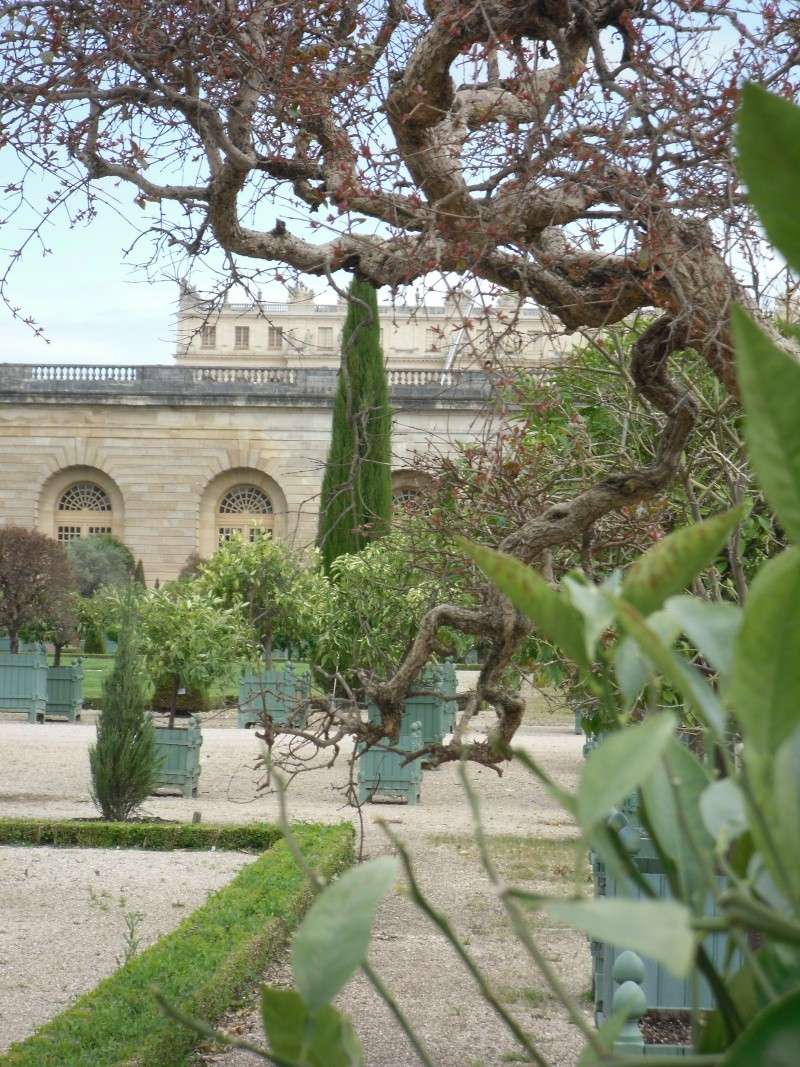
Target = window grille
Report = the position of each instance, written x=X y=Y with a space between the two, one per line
x=245 y=500
x=208 y=337
x=325 y=336
x=84 y=496
x=99 y=530
x=68 y=533
x=242 y=337
x=275 y=337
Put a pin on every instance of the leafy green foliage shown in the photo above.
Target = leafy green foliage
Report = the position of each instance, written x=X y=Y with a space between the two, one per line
x=773 y=1038
x=332 y=941
x=620 y=764
x=769 y=162
x=324 y=1038
x=124 y=761
x=356 y=497
x=272 y=585
x=660 y=929
x=765 y=679
x=767 y=376
x=670 y=565
x=100 y=561
x=529 y=593
x=203 y=967
x=370 y=607
x=157 y=836
x=191 y=637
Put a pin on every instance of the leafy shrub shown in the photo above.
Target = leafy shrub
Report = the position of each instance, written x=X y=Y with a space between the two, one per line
x=156 y=836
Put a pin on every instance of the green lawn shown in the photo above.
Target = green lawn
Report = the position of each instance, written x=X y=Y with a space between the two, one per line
x=95 y=669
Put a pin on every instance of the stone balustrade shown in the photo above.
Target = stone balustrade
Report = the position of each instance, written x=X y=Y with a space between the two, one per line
x=293 y=386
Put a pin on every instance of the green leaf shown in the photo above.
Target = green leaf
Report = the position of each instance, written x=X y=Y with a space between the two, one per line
x=621 y=763
x=723 y=809
x=786 y=801
x=632 y=668
x=596 y=608
x=296 y=1035
x=671 y=564
x=768 y=142
x=772 y=1039
x=765 y=681
x=553 y=614
x=682 y=675
x=712 y=628
x=659 y=929
x=331 y=942
x=781 y=967
x=770 y=386
x=679 y=780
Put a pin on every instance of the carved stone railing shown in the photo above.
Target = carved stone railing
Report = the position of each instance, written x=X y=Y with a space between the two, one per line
x=292 y=386
x=77 y=372
x=253 y=375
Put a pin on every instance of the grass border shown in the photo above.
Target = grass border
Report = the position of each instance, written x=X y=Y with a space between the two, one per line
x=155 y=836
x=204 y=967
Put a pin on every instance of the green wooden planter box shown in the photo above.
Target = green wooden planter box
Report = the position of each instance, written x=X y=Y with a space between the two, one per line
x=434 y=712
x=281 y=694
x=65 y=692
x=382 y=775
x=24 y=646
x=179 y=749
x=23 y=684
x=662 y=990
x=449 y=686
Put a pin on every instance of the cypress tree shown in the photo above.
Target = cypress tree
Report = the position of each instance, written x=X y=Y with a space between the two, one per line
x=138 y=574
x=124 y=761
x=356 y=499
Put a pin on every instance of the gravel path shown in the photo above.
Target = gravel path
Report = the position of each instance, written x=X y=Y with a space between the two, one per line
x=63 y=921
x=45 y=773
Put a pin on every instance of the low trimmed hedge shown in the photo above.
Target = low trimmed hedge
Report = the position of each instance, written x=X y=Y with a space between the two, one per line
x=204 y=967
x=155 y=836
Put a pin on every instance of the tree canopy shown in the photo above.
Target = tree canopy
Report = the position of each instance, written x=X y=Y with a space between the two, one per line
x=35 y=583
x=99 y=561
x=576 y=154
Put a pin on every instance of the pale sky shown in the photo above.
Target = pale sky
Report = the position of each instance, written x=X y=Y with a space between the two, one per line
x=92 y=306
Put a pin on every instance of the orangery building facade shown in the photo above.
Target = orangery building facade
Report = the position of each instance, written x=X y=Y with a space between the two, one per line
x=175 y=459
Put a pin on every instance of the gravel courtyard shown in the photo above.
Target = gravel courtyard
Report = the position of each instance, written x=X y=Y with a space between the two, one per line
x=74 y=935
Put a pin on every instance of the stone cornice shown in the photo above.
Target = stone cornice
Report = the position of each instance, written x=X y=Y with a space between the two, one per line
x=171 y=386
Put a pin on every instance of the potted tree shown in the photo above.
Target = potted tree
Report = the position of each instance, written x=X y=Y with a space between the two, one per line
x=192 y=640
x=269 y=584
x=64 y=680
x=35 y=580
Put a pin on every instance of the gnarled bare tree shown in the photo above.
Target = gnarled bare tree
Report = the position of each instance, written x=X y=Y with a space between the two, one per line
x=577 y=152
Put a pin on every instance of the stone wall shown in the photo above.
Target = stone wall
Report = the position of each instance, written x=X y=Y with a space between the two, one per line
x=166 y=445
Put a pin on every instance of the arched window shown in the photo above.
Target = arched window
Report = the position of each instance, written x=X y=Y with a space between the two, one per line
x=245 y=510
x=408 y=490
x=406 y=498
x=83 y=509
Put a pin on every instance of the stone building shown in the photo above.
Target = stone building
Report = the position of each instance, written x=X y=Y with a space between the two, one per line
x=462 y=333
x=173 y=459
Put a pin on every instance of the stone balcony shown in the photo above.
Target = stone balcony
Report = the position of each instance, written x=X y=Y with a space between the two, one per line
x=150 y=385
